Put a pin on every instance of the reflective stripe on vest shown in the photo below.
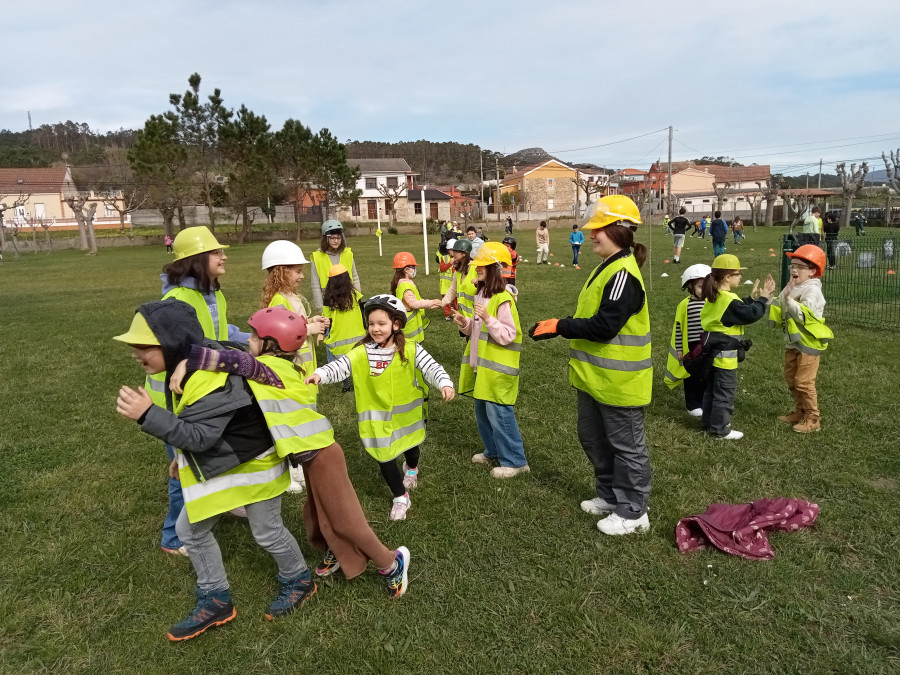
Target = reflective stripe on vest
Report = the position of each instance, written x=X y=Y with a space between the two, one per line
x=263 y=477
x=497 y=376
x=810 y=337
x=415 y=318
x=465 y=291
x=290 y=413
x=617 y=372
x=711 y=320
x=675 y=372
x=346 y=327
x=389 y=406
x=323 y=264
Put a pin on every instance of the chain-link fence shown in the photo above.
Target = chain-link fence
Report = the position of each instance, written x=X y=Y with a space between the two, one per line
x=862 y=282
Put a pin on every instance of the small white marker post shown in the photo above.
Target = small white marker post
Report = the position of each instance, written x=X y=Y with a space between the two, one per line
x=424 y=231
x=378 y=229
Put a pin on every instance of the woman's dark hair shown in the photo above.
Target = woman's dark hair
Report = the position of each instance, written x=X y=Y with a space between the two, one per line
x=325 y=247
x=461 y=265
x=338 y=293
x=196 y=266
x=623 y=237
x=710 y=290
x=270 y=346
x=399 y=275
x=493 y=281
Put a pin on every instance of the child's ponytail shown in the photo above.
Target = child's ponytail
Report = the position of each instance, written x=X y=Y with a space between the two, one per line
x=710 y=289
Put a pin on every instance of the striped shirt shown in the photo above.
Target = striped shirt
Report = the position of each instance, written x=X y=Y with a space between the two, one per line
x=379 y=360
x=693 y=324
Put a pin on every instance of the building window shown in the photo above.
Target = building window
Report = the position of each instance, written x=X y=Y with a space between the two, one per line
x=392 y=181
x=110 y=211
x=354 y=208
x=387 y=204
x=370 y=184
x=550 y=183
x=706 y=201
x=418 y=208
x=550 y=204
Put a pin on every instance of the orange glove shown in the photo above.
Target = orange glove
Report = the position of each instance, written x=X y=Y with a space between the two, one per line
x=544 y=330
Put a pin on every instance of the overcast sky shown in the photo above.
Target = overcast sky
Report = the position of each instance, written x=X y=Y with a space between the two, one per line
x=779 y=82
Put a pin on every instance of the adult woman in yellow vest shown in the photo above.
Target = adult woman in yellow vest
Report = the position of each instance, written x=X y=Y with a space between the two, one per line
x=404 y=287
x=193 y=277
x=462 y=288
x=333 y=250
x=724 y=316
x=490 y=367
x=389 y=376
x=611 y=368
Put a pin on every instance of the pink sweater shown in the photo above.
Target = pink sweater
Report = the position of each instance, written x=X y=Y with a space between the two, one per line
x=502 y=328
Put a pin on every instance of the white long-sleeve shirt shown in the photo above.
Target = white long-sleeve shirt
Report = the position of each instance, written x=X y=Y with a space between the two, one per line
x=379 y=360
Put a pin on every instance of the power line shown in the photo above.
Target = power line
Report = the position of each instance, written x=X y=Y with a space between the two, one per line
x=603 y=145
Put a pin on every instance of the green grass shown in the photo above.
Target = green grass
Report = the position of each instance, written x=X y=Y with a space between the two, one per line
x=506 y=576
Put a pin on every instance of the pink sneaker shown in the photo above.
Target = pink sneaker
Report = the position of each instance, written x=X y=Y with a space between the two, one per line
x=400 y=507
x=410 y=477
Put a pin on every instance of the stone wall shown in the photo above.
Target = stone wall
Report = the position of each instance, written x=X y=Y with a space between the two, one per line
x=539 y=192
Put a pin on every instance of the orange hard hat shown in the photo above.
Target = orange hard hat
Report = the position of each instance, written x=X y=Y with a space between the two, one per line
x=811 y=254
x=404 y=259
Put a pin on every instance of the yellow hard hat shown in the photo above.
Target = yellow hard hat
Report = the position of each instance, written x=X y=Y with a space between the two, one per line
x=195 y=240
x=611 y=209
x=727 y=261
x=139 y=333
x=490 y=253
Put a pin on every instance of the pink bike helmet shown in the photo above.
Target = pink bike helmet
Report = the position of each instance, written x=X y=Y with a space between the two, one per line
x=282 y=325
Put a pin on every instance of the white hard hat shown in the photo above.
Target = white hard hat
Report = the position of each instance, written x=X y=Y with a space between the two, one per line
x=282 y=252
x=698 y=271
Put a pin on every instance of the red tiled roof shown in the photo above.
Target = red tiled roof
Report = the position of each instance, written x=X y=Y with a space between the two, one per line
x=35 y=181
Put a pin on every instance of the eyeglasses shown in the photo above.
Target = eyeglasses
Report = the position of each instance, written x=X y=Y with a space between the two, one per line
x=335 y=236
x=800 y=266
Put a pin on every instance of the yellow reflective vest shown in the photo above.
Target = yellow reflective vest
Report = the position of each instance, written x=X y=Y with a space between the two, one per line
x=497 y=376
x=347 y=328
x=389 y=406
x=618 y=372
x=306 y=355
x=416 y=323
x=711 y=320
x=446 y=277
x=810 y=337
x=263 y=477
x=156 y=384
x=323 y=264
x=465 y=291
x=675 y=372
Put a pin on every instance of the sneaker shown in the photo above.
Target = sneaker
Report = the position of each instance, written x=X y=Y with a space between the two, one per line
x=481 y=458
x=807 y=424
x=509 y=471
x=239 y=512
x=298 y=481
x=732 y=435
x=213 y=609
x=400 y=507
x=397 y=580
x=293 y=593
x=597 y=506
x=328 y=566
x=615 y=524
x=410 y=477
x=181 y=550
x=696 y=412
x=577 y=267
x=792 y=418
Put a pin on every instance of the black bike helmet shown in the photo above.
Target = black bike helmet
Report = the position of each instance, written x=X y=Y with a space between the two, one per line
x=510 y=241
x=390 y=304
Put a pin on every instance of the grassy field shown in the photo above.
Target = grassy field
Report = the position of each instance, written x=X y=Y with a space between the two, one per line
x=505 y=576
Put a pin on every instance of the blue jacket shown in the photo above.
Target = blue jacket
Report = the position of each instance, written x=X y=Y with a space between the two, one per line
x=718 y=229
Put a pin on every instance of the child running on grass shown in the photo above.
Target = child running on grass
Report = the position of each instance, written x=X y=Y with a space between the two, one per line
x=283 y=262
x=490 y=368
x=724 y=316
x=389 y=375
x=341 y=306
x=686 y=333
x=403 y=287
x=799 y=310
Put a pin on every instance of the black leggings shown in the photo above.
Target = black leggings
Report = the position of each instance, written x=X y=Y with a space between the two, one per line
x=392 y=474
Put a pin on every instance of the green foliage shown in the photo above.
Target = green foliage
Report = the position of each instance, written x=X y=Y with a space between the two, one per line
x=432 y=226
x=331 y=173
x=246 y=144
x=392 y=229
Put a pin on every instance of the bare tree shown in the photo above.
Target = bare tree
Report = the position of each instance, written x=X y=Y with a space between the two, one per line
x=589 y=187
x=671 y=204
x=84 y=214
x=769 y=191
x=129 y=198
x=893 y=176
x=754 y=200
x=642 y=199
x=15 y=222
x=722 y=191
x=797 y=202
x=851 y=186
x=391 y=196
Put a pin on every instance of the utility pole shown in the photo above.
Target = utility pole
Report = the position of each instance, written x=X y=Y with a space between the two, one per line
x=497 y=163
x=481 y=182
x=669 y=177
x=820 y=174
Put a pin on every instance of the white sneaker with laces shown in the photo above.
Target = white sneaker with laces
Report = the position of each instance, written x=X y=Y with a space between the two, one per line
x=733 y=435
x=615 y=524
x=696 y=412
x=400 y=507
x=597 y=506
x=481 y=458
x=509 y=471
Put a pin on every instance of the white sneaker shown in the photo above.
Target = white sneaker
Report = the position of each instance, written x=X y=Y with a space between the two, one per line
x=400 y=507
x=298 y=482
x=696 y=412
x=597 y=506
x=615 y=524
x=733 y=435
x=481 y=458
x=509 y=471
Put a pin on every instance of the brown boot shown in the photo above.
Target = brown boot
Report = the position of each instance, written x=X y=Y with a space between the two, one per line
x=792 y=418
x=807 y=424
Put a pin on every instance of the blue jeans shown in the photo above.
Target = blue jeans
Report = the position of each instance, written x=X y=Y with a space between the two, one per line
x=176 y=504
x=575 y=249
x=718 y=247
x=738 y=236
x=499 y=432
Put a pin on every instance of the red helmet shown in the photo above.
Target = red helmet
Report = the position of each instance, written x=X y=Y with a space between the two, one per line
x=404 y=259
x=282 y=325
